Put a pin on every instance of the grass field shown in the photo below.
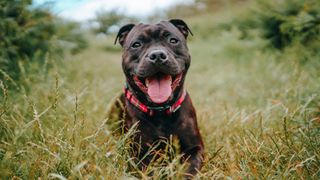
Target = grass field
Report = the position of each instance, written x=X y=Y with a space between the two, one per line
x=258 y=110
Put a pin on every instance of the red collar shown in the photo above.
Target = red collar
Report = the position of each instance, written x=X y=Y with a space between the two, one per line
x=151 y=110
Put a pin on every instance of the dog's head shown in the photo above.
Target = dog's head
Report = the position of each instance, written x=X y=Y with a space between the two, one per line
x=155 y=59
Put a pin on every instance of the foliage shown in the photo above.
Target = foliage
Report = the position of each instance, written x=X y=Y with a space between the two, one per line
x=70 y=35
x=288 y=22
x=29 y=35
x=24 y=35
x=284 y=23
x=106 y=19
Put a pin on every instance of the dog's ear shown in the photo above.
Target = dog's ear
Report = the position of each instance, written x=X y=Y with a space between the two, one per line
x=123 y=32
x=182 y=26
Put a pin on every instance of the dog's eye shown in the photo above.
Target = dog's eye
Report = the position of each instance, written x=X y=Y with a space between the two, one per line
x=173 y=40
x=136 y=45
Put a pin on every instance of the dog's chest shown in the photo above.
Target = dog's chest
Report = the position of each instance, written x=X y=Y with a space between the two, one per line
x=157 y=127
x=164 y=125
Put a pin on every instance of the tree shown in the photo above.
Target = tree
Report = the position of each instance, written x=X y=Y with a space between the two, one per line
x=106 y=19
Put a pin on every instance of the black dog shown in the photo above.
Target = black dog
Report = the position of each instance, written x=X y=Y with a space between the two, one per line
x=155 y=62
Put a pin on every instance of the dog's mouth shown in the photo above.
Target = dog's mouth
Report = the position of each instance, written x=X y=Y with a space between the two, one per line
x=158 y=87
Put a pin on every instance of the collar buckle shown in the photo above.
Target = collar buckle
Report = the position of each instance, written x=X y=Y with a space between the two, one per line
x=159 y=108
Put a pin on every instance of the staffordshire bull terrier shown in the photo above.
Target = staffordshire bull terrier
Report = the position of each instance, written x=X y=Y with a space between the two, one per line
x=155 y=62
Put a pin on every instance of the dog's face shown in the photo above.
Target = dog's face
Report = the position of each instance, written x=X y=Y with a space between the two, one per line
x=155 y=59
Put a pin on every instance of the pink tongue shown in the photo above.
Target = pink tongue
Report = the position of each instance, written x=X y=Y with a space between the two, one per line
x=159 y=88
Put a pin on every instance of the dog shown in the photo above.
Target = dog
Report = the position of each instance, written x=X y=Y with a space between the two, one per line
x=155 y=62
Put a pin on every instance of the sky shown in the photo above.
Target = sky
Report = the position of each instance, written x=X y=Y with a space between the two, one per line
x=82 y=10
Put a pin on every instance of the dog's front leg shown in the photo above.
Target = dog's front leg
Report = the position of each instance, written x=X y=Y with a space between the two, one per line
x=193 y=149
x=190 y=140
x=194 y=157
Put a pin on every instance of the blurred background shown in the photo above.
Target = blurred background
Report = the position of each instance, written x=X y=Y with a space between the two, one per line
x=32 y=30
x=254 y=80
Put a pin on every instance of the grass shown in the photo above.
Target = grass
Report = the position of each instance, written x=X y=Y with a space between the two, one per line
x=258 y=112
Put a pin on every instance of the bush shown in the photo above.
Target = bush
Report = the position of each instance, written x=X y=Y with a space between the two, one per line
x=24 y=35
x=284 y=23
x=29 y=35
x=287 y=22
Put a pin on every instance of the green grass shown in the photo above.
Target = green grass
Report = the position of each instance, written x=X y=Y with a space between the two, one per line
x=258 y=112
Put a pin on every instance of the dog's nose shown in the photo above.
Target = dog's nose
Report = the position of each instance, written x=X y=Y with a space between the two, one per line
x=158 y=56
